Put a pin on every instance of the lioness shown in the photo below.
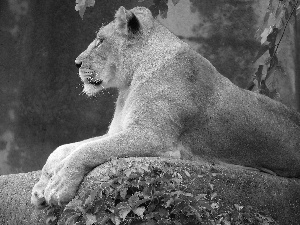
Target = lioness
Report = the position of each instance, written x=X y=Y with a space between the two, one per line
x=172 y=103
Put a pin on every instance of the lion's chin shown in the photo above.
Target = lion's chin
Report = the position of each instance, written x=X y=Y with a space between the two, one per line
x=91 y=90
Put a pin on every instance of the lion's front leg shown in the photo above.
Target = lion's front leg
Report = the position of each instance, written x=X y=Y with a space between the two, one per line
x=63 y=185
x=53 y=167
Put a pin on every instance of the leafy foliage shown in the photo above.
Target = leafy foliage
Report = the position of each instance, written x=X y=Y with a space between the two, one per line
x=81 y=6
x=151 y=195
x=160 y=7
x=276 y=19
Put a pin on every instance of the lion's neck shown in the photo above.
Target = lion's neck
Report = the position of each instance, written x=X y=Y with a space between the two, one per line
x=148 y=56
x=161 y=46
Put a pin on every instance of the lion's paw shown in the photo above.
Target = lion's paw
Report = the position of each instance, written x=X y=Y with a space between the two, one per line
x=62 y=187
x=58 y=189
x=37 y=195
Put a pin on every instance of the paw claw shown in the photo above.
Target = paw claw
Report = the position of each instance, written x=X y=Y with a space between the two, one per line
x=38 y=201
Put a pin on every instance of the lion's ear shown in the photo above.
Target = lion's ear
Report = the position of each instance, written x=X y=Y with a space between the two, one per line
x=127 y=22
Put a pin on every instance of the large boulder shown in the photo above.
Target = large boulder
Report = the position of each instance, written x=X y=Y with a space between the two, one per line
x=234 y=187
x=15 y=206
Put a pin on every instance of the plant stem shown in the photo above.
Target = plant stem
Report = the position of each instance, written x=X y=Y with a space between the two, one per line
x=285 y=26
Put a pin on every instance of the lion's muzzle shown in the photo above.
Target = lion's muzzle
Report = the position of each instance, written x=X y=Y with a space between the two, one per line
x=88 y=77
x=94 y=81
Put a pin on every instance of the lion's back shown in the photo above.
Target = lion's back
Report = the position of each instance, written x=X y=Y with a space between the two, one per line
x=227 y=123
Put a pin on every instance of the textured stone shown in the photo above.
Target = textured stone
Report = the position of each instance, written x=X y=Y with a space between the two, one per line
x=15 y=206
x=274 y=195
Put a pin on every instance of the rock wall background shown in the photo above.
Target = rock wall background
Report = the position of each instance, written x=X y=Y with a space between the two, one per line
x=41 y=104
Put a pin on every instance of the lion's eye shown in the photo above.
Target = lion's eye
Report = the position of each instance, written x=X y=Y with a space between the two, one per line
x=99 y=41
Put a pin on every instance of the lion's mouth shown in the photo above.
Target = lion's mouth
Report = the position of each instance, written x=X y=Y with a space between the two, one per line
x=94 y=81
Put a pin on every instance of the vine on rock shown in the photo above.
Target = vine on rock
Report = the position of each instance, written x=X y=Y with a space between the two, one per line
x=279 y=14
x=148 y=195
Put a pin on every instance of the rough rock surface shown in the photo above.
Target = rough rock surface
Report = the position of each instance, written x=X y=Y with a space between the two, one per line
x=15 y=206
x=279 y=197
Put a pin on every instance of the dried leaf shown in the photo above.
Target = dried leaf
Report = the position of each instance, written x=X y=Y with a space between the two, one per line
x=163 y=13
x=264 y=90
x=163 y=9
x=81 y=6
x=91 y=197
x=238 y=207
x=90 y=3
x=272 y=67
x=265 y=34
x=268 y=60
x=178 y=175
x=187 y=194
x=73 y=219
x=150 y=222
x=90 y=219
x=112 y=171
x=128 y=172
x=169 y=202
x=272 y=37
x=266 y=19
x=122 y=209
x=261 y=51
x=139 y=211
x=154 y=10
x=274 y=94
x=200 y=196
x=287 y=14
x=215 y=205
x=51 y=220
x=187 y=173
x=271 y=7
x=163 y=212
x=279 y=9
x=176 y=193
x=266 y=219
x=213 y=195
x=226 y=222
x=196 y=213
x=116 y=220
x=175 y=2
x=124 y=212
x=133 y=200
x=204 y=204
x=145 y=168
x=123 y=192
x=122 y=163
x=258 y=74
x=279 y=20
x=251 y=86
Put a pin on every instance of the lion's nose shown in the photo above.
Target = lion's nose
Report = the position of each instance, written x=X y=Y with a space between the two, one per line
x=78 y=64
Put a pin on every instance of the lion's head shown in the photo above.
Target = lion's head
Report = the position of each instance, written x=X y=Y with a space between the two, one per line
x=107 y=61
